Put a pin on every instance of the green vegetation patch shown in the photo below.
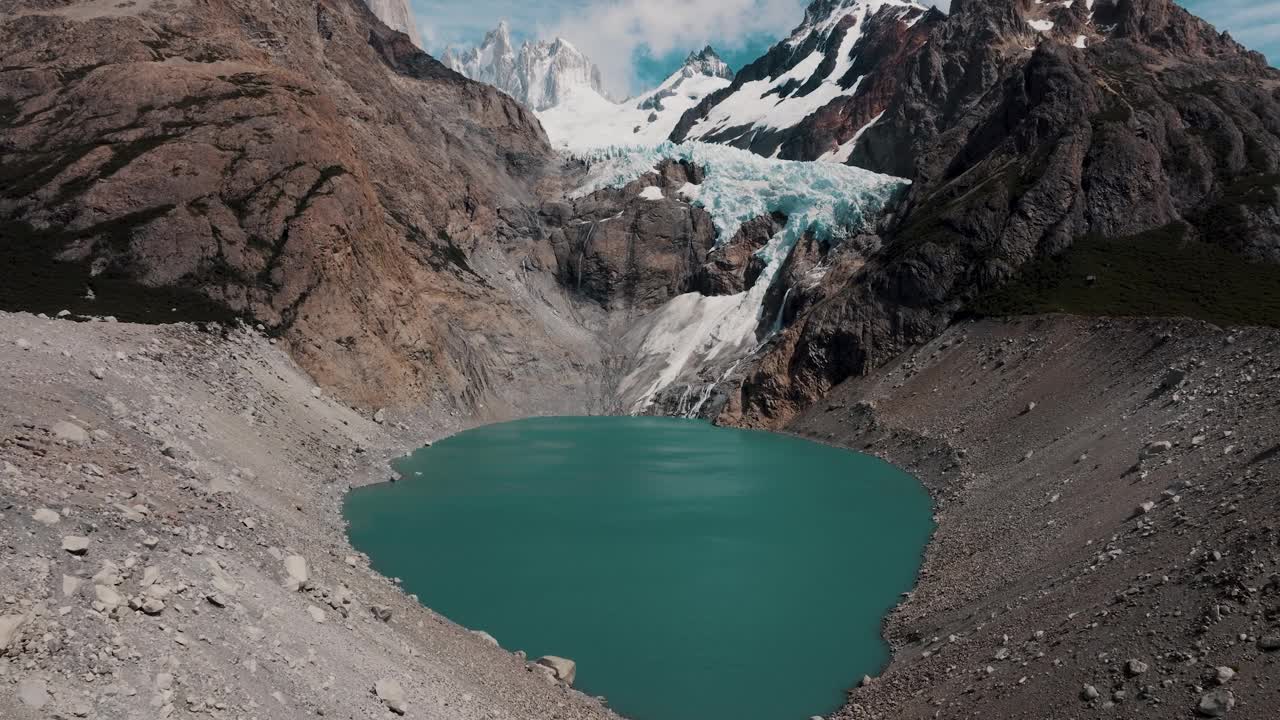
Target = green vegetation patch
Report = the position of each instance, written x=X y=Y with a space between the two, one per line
x=1161 y=272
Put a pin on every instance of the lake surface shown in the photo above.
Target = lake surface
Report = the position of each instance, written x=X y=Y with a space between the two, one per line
x=691 y=571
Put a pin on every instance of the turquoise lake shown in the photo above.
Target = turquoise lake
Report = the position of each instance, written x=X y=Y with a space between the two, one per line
x=691 y=571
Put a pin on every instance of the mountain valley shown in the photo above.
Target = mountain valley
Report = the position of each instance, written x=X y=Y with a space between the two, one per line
x=1029 y=252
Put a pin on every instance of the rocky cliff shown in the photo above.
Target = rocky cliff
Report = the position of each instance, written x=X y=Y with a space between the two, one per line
x=397 y=15
x=295 y=163
x=1041 y=139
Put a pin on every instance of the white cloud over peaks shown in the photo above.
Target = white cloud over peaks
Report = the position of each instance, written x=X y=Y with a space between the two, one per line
x=611 y=32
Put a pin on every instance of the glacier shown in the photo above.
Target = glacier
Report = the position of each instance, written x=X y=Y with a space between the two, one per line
x=694 y=334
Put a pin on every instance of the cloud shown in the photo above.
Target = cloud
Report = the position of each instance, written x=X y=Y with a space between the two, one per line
x=611 y=33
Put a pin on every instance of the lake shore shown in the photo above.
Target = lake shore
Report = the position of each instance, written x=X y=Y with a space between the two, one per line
x=1071 y=539
x=210 y=458
x=193 y=464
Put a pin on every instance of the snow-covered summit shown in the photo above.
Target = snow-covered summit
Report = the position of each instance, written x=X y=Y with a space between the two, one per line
x=586 y=120
x=540 y=74
x=815 y=92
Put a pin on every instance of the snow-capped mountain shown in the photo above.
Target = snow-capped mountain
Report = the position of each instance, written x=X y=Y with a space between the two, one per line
x=813 y=95
x=540 y=74
x=585 y=119
x=397 y=15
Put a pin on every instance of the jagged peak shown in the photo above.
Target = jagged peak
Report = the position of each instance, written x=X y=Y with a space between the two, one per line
x=707 y=62
x=822 y=16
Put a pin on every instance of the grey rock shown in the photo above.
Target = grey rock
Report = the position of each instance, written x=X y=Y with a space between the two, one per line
x=486 y=637
x=1216 y=703
x=1156 y=448
x=297 y=576
x=1269 y=643
x=1135 y=667
x=381 y=612
x=565 y=669
x=45 y=516
x=108 y=596
x=9 y=625
x=70 y=433
x=75 y=544
x=391 y=695
x=1089 y=692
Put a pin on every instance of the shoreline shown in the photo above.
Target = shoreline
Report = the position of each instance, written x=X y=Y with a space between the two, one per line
x=1048 y=512
x=196 y=464
x=191 y=434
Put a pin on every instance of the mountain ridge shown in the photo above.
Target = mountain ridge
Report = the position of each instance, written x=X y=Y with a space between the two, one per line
x=539 y=74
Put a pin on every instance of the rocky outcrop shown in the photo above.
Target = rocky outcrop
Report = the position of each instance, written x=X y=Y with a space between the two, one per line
x=398 y=16
x=1019 y=144
x=733 y=266
x=301 y=166
x=633 y=248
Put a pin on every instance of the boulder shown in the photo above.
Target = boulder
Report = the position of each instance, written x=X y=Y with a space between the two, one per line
x=391 y=695
x=486 y=637
x=565 y=669
x=1156 y=448
x=1269 y=643
x=108 y=596
x=9 y=625
x=68 y=432
x=1216 y=703
x=1134 y=668
x=45 y=516
x=75 y=544
x=297 y=576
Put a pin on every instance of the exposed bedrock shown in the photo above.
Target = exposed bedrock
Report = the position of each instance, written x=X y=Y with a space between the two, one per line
x=630 y=249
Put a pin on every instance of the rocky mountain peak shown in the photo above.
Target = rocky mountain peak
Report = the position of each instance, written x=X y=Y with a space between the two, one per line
x=707 y=62
x=540 y=74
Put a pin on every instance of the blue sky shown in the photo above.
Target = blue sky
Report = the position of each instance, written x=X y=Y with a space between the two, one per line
x=637 y=43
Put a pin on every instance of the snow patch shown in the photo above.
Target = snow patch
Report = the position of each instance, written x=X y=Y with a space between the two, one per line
x=1041 y=25
x=845 y=151
x=652 y=192
x=1081 y=41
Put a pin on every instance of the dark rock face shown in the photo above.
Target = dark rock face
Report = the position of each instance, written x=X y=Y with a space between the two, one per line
x=888 y=37
x=1015 y=153
x=734 y=266
x=628 y=252
x=295 y=163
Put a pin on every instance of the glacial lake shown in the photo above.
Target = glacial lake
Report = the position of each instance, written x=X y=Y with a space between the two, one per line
x=692 y=572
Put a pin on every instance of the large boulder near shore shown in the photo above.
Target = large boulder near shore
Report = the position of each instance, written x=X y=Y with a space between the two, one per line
x=565 y=669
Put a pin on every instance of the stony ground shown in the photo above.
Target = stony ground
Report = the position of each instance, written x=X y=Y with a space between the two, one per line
x=171 y=542
x=1108 y=539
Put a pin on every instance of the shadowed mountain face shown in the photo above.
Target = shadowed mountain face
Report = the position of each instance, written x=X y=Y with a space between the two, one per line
x=296 y=163
x=1027 y=129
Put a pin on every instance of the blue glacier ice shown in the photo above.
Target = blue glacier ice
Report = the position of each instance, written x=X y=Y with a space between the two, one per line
x=829 y=199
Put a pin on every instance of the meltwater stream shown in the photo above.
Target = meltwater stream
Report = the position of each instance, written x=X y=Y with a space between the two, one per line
x=691 y=571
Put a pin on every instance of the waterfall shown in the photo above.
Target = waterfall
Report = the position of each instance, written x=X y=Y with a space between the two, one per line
x=782 y=313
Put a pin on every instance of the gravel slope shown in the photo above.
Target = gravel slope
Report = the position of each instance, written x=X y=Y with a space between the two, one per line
x=1062 y=553
x=192 y=469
